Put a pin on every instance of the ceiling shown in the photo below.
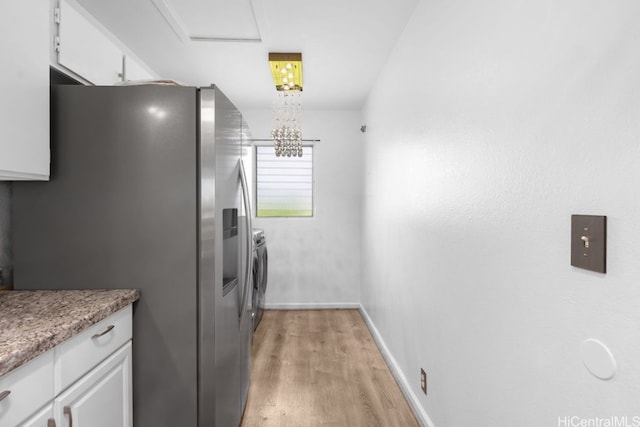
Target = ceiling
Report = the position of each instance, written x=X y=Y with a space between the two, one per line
x=344 y=43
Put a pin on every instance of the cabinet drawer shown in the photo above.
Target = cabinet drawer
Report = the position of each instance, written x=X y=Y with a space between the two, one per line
x=30 y=387
x=80 y=354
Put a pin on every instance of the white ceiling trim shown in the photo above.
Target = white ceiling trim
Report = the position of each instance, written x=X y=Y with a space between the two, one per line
x=180 y=29
x=172 y=19
x=224 y=39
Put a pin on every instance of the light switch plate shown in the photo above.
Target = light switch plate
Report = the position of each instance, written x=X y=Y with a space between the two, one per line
x=589 y=242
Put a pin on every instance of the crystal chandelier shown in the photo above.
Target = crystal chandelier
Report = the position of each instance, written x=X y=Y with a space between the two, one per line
x=287 y=106
x=286 y=133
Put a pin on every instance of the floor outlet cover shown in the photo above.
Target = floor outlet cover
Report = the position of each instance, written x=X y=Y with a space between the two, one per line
x=598 y=359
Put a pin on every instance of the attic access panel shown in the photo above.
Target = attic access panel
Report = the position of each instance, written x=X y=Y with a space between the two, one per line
x=211 y=20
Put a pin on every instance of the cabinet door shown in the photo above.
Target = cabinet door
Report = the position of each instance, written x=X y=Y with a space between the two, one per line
x=86 y=50
x=25 y=389
x=24 y=84
x=102 y=398
x=42 y=418
x=135 y=71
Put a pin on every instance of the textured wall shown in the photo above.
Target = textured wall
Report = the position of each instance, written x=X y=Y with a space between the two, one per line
x=5 y=224
x=317 y=260
x=490 y=125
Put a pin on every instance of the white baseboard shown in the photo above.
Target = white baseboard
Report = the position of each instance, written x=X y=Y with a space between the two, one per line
x=401 y=379
x=312 y=306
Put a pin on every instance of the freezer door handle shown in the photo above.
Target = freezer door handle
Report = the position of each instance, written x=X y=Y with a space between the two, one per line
x=249 y=240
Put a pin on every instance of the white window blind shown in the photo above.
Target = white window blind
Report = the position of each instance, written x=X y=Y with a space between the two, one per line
x=284 y=185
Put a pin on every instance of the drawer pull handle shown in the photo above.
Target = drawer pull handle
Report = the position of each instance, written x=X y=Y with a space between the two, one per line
x=4 y=394
x=67 y=411
x=51 y=422
x=106 y=331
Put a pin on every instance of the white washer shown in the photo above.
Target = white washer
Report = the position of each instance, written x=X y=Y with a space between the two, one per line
x=260 y=269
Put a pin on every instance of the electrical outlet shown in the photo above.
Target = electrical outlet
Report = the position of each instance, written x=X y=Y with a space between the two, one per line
x=423 y=380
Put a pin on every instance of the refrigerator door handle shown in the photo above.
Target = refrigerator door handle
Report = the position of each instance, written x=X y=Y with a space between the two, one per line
x=249 y=237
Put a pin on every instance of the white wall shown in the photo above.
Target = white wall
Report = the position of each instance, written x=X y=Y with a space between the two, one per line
x=316 y=261
x=490 y=125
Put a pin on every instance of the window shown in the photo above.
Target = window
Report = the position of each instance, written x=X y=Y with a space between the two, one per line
x=284 y=185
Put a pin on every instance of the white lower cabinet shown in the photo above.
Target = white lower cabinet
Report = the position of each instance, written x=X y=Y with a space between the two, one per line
x=85 y=381
x=26 y=389
x=102 y=398
x=42 y=418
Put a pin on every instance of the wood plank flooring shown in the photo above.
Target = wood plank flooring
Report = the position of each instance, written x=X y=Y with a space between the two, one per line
x=321 y=368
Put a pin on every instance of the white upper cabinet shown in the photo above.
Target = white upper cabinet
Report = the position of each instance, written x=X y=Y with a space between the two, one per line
x=135 y=71
x=85 y=50
x=24 y=84
x=89 y=51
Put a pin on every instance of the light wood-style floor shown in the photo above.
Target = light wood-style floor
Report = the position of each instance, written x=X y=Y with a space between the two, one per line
x=321 y=368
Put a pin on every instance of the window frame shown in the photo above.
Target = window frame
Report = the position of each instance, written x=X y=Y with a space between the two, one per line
x=313 y=183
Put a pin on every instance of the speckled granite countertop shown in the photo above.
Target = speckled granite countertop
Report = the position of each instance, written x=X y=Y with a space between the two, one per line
x=32 y=322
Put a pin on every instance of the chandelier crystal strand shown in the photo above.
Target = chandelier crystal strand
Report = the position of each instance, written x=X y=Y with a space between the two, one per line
x=298 y=124
x=287 y=130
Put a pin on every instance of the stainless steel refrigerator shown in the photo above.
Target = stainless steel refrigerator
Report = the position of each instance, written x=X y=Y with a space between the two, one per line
x=148 y=191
